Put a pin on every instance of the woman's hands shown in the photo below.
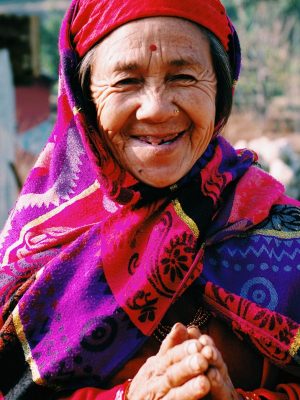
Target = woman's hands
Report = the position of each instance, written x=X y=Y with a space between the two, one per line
x=221 y=387
x=188 y=366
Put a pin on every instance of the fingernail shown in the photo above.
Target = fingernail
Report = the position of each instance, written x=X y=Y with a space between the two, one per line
x=194 y=327
x=195 y=363
x=176 y=327
x=208 y=352
x=192 y=348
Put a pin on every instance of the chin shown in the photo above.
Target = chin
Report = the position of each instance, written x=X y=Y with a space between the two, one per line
x=163 y=175
x=158 y=182
x=161 y=185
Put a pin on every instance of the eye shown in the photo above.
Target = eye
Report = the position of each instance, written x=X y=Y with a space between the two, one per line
x=182 y=78
x=128 y=81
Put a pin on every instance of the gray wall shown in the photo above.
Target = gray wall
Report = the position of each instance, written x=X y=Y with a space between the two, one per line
x=8 y=186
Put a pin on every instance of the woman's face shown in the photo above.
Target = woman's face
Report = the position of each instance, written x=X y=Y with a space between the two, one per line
x=154 y=87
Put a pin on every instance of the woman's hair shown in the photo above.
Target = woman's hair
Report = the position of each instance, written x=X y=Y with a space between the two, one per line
x=225 y=79
x=84 y=73
x=222 y=69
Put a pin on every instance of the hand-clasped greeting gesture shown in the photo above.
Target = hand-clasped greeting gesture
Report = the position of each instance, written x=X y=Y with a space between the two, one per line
x=188 y=366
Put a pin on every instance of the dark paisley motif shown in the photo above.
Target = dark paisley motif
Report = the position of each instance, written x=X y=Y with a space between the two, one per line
x=282 y=218
x=144 y=304
x=174 y=264
x=270 y=332
x=282 y=329
x=133 y=263
x=214 y=186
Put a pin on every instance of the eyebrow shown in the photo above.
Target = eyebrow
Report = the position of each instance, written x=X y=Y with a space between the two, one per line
x=181 y=62
x=132 y=66
x=125 y=67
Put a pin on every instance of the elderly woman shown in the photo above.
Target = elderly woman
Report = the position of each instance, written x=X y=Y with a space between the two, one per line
x=145 y=257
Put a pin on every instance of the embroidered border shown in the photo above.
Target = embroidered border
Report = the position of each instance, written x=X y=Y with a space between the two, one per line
x=88 y=191
x=295 y=346
x=272 y=232
x=188 y=220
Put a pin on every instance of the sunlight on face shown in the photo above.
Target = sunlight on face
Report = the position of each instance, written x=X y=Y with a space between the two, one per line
x=154 y=88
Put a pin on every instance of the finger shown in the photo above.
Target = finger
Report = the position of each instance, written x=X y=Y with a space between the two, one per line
x=177 y=354
x=214 y=357
x=215 y=377
x=193 y=332
x=194 y=389
x=211 y=354
x=206 y=340
x=156 y=381
x=177 y=335
x=183 y=371
x=221 y=388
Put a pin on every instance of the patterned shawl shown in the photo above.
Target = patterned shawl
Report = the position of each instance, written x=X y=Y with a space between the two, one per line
x=91 y=259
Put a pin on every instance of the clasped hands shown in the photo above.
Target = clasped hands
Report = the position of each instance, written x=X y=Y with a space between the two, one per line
x=188 y=366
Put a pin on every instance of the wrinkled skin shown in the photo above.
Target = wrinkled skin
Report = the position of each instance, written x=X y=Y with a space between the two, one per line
x=188 y=366
x=154 y=88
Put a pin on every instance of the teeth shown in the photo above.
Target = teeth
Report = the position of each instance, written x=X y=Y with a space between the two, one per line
x=155 y=140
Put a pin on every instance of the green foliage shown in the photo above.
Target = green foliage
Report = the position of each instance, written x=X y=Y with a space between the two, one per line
x=270 y=39
x=50 y=26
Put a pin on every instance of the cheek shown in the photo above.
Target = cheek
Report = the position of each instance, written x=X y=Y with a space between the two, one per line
x=201 y=111
x=114 y=113
x=198 y=101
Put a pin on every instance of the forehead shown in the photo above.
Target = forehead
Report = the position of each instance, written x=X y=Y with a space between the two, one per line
x=169 y=37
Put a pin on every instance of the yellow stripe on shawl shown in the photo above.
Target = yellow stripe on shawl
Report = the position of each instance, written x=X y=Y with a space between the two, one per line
x=272 y=232
x=295 y=345
x=42 y=218
x=76 y=110
x=190 y=223
x=36 y=377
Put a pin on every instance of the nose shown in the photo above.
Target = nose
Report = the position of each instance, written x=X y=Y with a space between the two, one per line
x=155 y=106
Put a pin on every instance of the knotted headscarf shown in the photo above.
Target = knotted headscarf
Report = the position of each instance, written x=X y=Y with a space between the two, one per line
x=94 y=20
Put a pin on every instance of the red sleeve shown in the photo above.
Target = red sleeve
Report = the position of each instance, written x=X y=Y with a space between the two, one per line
x=287 y=391
x=116 y=393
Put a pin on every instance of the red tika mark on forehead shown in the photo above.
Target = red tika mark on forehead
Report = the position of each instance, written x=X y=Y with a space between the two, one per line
x=153 y=47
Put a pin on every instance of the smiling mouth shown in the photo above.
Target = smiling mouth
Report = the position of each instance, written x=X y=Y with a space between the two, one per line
x=158 y=141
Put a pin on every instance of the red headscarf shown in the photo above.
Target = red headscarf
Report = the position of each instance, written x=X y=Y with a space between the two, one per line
x=95 y=19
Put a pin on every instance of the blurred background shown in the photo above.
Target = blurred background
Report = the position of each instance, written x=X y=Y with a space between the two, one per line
x=266 y=114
